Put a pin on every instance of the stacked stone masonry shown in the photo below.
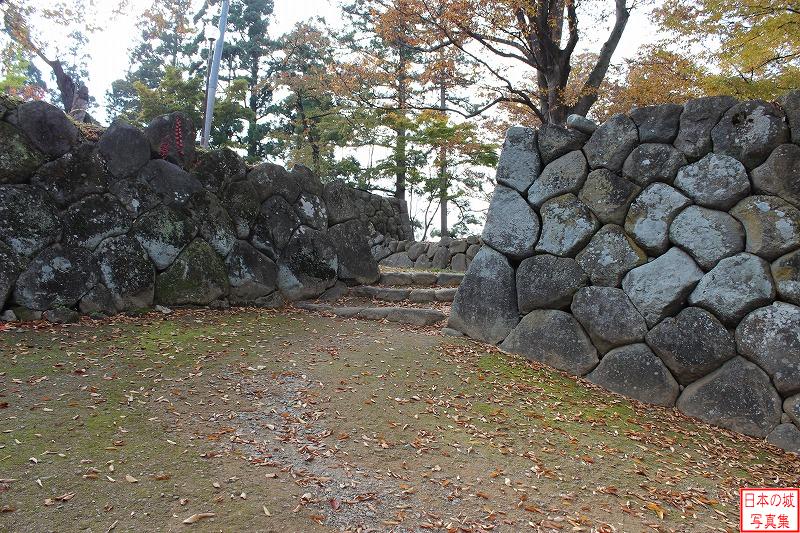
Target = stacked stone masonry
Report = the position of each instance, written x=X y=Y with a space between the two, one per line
x=446 y=254
x=140 y=218
x=657 y=255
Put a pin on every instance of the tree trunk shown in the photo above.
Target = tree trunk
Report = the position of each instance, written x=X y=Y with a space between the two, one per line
x=444 y=183
x=309 y=132
x=252 y=129
x=400 y=151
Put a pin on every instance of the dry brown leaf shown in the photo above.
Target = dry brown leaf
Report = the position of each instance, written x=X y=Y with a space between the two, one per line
x=197 y=517
x=656 y=509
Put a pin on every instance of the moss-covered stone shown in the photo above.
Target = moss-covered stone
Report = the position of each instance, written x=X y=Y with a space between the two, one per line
x=163 y=233
x=18 y=159
x=217 y=168
x=196 y=277
x=28 y=220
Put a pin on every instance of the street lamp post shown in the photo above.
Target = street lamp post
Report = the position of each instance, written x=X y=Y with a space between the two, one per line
x=211 y=40
x=214 y=75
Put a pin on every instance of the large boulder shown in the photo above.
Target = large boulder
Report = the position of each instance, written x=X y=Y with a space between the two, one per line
x=692 y=344
x=749 y=131
x=697 y=120
x=308 y=181
x=312 y=211
x=28 y=220
x=771 y=225
x=610 y=255
x=786 y=273
x=18 y=158
x=716 y=181
x=611 y=144
x=135 y=194
x=734 y=287
x=197 y=277
x=659 y=288
x=57 y=277
x=340 y=201
x=708 y=235
x=548 y=282
x=163 y=233
x=608 y=316
x=791 y=406
x=657 y=123
x=554 y=338
x=356 y=263
x=74 y=175
x=275 y=225
x=170 y=182
x=785 y=436
x=651 y=214
x=401 y=260
x=126 y=272
x=212 y=221
x=241 y=200
x=565 y=174
x=98 y=301
x=216 y=169
x=172 y=137
x=10 y=267
x=47 y=127
x=567 y=226
x=636 y=372
x=512 y=227
x=519 y=163
x=270 y=180
x=485 y=307
x=780 y=174
x=737 y=396
x=309 y=265
x=653 y=162
x=251 y=274
x=92 y=219
x=556 y=140
x=608 y=195
x=790 y=102
x=125 y=149
x=770 y=337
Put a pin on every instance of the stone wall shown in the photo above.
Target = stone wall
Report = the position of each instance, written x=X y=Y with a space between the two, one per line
x=133 y=218
x=446 y=254
x=385 y=218
x=658 y=255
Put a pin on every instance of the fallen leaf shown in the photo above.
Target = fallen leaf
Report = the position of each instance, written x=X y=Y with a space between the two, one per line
x=656 y=509
x=130 y=479
x=197 y=517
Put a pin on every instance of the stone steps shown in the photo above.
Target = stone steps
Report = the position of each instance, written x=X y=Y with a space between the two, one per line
x=410 y=278
x=403 y=315
x=400 y=294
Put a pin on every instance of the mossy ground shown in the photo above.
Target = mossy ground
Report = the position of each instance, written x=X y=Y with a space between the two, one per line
x=338 y=424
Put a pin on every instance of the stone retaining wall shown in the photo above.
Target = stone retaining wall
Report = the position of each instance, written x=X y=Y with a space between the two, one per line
x=135 y=218
x=657 y=254
x=385 y=218
x=446 y=254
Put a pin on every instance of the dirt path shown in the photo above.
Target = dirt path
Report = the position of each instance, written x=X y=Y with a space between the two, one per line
x=297 y=422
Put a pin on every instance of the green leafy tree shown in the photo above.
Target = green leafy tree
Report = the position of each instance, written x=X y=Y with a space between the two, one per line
x=752 y=46
x=458 y=163
x=168 y=39
x=248 y=48
x=179 y=92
